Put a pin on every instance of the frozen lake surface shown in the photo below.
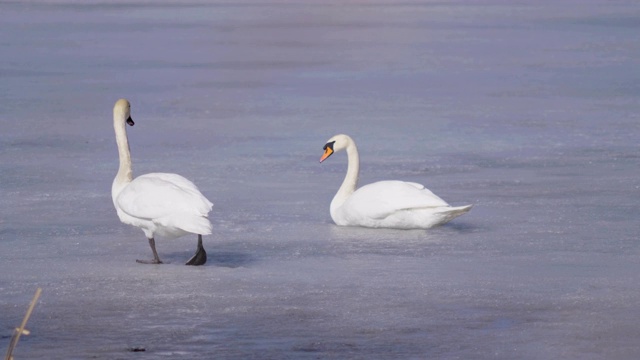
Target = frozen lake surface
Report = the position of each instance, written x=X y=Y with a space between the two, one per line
x=529 y=110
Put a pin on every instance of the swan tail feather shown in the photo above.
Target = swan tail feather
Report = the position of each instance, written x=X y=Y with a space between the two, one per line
x=450 y=213
x=189 y=223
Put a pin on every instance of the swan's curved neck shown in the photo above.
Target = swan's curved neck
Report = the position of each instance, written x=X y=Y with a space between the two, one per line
x=125 y=174
x=350 y=181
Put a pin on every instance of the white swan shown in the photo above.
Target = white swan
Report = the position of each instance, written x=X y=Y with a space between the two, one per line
x=384 y=204
x=166 y=205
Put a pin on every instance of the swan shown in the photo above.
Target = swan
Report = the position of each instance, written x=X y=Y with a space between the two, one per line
x=160 y=204
x=384 y=204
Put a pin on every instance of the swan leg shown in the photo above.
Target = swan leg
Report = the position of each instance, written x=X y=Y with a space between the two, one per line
x=156 y=258
x=200 y=256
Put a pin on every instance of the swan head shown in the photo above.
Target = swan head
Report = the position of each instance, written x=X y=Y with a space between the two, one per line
x=122 y=111
x=335 y=144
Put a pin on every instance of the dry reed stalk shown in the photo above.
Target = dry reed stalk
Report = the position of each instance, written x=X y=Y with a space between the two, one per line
x=21 y=330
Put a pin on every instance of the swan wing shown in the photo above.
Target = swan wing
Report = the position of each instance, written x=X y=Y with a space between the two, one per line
x=158 y=195
x=381 y=199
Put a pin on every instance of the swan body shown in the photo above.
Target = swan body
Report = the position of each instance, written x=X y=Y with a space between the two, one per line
x=384 y=204
x=160 y=204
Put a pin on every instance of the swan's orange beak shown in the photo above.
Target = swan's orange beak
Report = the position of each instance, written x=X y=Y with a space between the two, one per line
x=327 y=152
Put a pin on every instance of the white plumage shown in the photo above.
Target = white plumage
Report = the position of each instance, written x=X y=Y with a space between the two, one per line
x=161 y=204
x=384 y=204
x=167 y=205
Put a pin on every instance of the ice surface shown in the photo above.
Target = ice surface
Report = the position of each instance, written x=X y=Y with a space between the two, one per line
x=529 y=110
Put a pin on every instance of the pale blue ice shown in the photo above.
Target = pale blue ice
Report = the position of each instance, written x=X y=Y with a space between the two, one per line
x=530 y=110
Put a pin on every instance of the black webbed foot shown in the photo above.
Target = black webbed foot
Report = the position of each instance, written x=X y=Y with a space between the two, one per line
x=200 y=257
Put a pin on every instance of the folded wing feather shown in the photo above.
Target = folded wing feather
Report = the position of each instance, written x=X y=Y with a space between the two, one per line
x=381 y=199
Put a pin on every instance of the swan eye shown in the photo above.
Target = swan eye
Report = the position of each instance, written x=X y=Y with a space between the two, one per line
x=130 y=121
x=328 y=145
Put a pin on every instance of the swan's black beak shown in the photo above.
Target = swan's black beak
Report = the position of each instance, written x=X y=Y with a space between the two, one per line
x=328 y=150
x=130 y=121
